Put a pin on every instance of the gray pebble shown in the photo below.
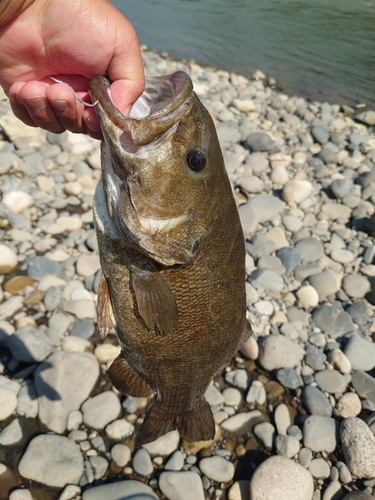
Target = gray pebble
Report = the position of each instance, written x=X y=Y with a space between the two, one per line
x=184 y=485
x=175 y=462
x=83 y=329
x=52 y=298
x=319 y=433
x=120 y=489
x=358 y=445
x=38 y=267
x=315 y=402
x=310 y=249
x=290 y=258
x=286 y=446
x=289 y=378
x=265 y=433
x=331 y=381
x=28 y=404
x=265 y=279
x=360 y=352
x=305 y=457
x=30 y=345
x=279 y=352
x=217 y=468
x=364 y=385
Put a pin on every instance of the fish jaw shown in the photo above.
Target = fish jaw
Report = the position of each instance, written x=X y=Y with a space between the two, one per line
x=151 y=196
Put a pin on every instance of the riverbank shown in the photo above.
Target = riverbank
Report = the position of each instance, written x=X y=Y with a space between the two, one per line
x=296 y=406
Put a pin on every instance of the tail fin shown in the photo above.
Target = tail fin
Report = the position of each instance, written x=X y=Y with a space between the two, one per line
x=126 y=380
x=193 y=426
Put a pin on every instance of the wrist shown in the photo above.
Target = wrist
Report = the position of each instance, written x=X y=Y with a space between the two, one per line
x=10 y=9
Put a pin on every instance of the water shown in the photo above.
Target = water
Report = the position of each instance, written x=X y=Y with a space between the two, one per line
x=321 y=49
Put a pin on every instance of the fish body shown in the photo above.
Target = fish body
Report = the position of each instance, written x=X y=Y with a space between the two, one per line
x=172 y=254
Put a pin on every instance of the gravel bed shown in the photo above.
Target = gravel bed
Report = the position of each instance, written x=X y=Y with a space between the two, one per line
x=294 y=410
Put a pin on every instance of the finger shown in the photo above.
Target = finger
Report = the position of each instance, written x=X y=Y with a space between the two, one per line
x=126 y=67
x=17 y=105
x=34 y=97
x=67 y=109
x=92 y=123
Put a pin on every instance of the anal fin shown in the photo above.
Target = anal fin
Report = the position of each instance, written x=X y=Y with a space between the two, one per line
x=106 y=319
x=155 y=300
x=198 y=425
x=126 y=380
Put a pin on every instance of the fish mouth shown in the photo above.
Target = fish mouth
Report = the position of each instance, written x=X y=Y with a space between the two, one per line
x=163 y=102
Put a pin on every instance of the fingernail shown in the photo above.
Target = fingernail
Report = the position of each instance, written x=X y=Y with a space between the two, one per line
x=36 y=104
x=61 y=104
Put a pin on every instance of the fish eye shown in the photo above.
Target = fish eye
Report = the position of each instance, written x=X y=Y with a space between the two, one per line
x=196 y=160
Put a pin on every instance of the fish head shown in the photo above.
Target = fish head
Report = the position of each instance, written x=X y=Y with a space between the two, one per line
x=161 y=164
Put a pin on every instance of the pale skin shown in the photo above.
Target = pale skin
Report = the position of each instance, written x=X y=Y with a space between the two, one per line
x=71 y=40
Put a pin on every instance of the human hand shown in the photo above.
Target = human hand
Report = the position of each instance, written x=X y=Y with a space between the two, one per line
x=72 y=41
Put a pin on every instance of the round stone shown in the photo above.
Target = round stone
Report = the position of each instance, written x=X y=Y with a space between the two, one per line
x=310 y=249
x=217 y=468
x=358 y=445
x=121 y=454
x=101 y=410
x=17 y=201
x=331 y=381
x=349 y=405
x=142 y=464
x=52 y=460
x=308 y=295
x=319 y=468
x=315 y=401
x=319 y=433
x=184 y=485
x=8 y=261
x=296 y=191
x=276 y=351
x=128 y=489
x=272 y=480
x=356 y=286
x=8 y=403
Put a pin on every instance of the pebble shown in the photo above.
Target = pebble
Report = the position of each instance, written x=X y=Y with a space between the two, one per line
x=52 y=460
x=121 y=454
x=58 y=391
x=120 y=490
x=184 y=485
x=256 y=393
x=305 y=457
x=364 y=385
x=331 y=381
x=241 y=422
x=30 y=345
x=310 y=249
x=319 y=433
x=289 y=378
x=276 y=351
x=8 y=403
x=28 y=404
x=266 y=206
x=175 y=462
x=308 y=296
x=265 y=279
x=238 y=378
x=282 y=418
x=9 y=261
x=290 y=258
x=17 y=201
x=355 y=285
x=217 y=468
x=360 y=353
x=119 y=429
x=319 y=468
x=101 y=410
x=232 y=397
x=265 y=433
x=296 y=191
x=325 y=283
x=287 y=446
x=349 y=405
x=315 y=402
x=38 y=267
x=142 y=464
x=12 y=434
x=272 y=480
x=20 y=495
x=358 y=445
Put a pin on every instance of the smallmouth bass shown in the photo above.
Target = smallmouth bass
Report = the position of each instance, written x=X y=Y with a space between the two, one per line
x=172 y=253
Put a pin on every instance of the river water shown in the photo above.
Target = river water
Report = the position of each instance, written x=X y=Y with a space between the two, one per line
x=321 y=49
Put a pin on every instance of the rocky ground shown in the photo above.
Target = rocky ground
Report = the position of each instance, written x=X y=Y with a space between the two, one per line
x=295 y=410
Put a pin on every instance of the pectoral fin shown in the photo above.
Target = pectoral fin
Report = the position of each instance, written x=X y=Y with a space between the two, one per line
x=155 y=300
x=106 y=319
x=126 y=380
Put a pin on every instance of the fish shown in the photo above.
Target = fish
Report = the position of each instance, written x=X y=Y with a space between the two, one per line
x=172 y=253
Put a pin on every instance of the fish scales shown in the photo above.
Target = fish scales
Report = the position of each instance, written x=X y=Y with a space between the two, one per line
x=170 y=241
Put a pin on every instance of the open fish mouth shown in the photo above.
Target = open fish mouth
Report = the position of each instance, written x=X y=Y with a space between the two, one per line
x=163 y=102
